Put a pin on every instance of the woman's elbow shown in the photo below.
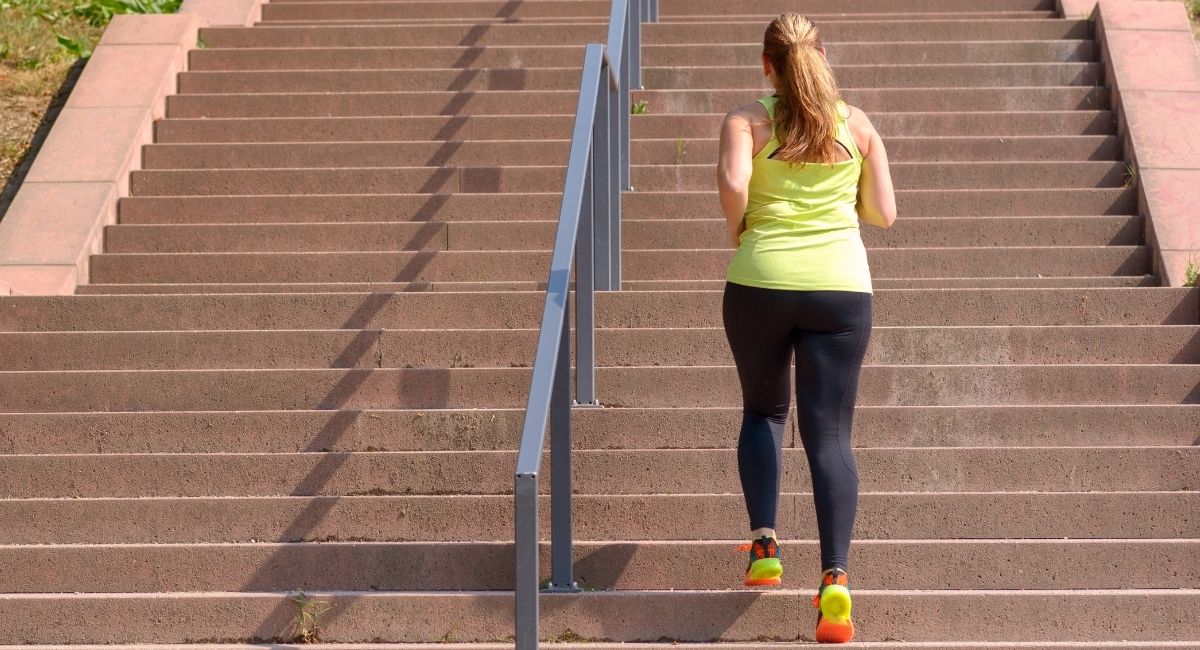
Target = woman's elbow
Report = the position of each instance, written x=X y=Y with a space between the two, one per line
x=887 y=217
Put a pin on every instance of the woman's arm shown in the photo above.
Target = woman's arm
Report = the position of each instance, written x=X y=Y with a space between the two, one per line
x=876 y=195
x=734 y=167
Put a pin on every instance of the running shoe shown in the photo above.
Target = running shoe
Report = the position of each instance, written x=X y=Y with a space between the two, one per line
x=765 y=568
x=833 y=608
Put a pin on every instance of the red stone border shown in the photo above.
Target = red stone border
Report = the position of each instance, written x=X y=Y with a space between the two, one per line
x=1152 y=66
x=57 y=218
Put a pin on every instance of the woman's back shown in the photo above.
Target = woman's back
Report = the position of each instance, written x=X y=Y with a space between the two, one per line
x=801 y=221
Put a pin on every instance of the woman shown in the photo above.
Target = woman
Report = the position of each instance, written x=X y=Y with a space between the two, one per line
x=798 y=170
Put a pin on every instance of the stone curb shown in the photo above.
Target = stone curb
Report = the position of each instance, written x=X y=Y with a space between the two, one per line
x=57 y=218
x=1153 y=68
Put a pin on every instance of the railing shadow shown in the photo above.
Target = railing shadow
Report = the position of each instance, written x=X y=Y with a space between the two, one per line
x=343 y=421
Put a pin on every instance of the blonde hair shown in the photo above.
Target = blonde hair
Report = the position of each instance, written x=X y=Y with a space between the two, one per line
x=805 y=117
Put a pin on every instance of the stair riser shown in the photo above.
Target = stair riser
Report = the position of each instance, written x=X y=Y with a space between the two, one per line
x=545 y=207
x=645 y=152
x=656 y=234
x=637 y=265
x=423 y=310
x=492 y=18
x=421 y=180
x=567 y=78
x=318 y=10
x=1118 y=281
x=369 y=617
x=597 y=472
x=204 y=390
x=656 y=126
x=615 y=347
x=412 y=567
x=213 y=60
x=564 y=102
x=849 y=31
x=285 y=432
x=1145 y=515
x=589 y=9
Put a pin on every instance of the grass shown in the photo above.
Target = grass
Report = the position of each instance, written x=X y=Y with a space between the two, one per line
x=307 y=623
x=41 y=42
x=1193 y=10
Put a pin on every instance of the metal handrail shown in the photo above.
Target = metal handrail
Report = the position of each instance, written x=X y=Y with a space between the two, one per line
x=588 y=237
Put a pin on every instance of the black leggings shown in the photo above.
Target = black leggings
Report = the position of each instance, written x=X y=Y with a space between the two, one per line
x=828 y=331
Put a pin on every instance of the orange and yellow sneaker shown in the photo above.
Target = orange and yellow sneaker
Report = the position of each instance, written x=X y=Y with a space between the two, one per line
x=833 y=608
x=765 y=567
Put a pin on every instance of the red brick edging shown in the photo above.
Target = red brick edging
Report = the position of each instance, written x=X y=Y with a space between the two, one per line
x=57 y=218
x=1152 y=66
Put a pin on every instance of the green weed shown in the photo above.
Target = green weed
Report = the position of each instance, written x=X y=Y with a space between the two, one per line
x=640 y=107
x=680 y=150
x=1130 y=175
x=1191 y=274
x=307 y=623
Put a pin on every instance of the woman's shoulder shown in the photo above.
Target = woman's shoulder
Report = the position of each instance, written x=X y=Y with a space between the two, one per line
x=860 y=126
x=756 y=109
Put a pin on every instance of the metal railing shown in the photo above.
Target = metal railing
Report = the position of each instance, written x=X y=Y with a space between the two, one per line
x=589 y=236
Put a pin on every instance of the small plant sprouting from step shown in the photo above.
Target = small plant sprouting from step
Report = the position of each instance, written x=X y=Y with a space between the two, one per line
x=640 y=107
x=308 y=617
x=1191 y=274
x=1130 y=175
x=680 y=150
x=200 y=44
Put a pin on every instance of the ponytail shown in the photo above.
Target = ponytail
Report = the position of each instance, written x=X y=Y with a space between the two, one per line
x=806 y=115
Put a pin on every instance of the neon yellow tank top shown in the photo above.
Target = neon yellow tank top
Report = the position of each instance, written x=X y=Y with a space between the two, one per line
x=801 y=224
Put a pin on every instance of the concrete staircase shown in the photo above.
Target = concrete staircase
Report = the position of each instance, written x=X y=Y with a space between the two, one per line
x=303 y=357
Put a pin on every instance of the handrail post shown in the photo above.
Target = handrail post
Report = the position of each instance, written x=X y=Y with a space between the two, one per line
x=561 y=570
x=626 y=101
x=638 y=13
x=604 y=210
x=526 y=542
x=585 y=295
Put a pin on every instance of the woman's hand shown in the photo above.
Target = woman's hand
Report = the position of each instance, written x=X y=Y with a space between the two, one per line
x=734 y=166
x=876 y=195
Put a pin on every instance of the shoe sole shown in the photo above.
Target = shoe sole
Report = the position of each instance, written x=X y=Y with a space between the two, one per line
x=764 y=573
x=835 y=625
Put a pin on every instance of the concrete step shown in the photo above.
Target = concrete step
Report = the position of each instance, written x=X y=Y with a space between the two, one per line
x=546 y=179
x=895 y=516
x=658 y=309
x=210 y=59
x=672 y=9
x=346 y=155
x=1113 y=281
x=328 y=7
x=664 y=264
x=567 y=78
x=596 y=645
x=340 y=208
x=695 y=386
x=560 y=102
x=496 y=348
x=879 y=100
x=682 y=19
x=651 y=126
x=833 y=31
x=1155 y=616
x=878 y=564
x=607 y=428
x=578 y=9
x=922 y=232
x=1068 y=469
